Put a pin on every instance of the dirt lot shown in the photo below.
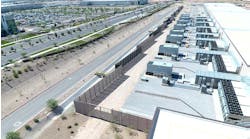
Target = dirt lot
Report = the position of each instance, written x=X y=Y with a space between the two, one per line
x=64 y=127
x=74 y=123
x=45 y=72
x=120 y=132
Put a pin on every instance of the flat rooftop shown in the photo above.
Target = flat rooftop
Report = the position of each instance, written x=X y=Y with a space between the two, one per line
x=172 y=45
x=180 y=97
x=235 y=22
x=169 y=124
x=162 y=63
x=184 y=96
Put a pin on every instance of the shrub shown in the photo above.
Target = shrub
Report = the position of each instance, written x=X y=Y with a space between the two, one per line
x=69 y=127
x=52 y=104
x=28 y=127
x=36 y=120
x=71 y=132
x=25 y=70
x=100 y=74
x=64 y=117
x=76 y=124
x=19 y=72
x=13 y=135
x=132 y=133
x=15 y=74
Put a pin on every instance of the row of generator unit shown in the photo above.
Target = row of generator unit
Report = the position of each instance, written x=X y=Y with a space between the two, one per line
x=173 y=15
x=159 y=68
x=176 y=35
x=206 y=33
x=168 y=49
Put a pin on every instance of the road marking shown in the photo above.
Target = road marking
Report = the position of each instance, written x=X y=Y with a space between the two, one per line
x=16 y=124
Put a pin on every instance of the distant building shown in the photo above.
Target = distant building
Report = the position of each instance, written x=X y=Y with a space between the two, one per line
x=8 y=26
x=23 y=6
x=113 y=2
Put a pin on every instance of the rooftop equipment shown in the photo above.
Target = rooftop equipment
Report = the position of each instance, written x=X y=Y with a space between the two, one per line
x=229 y=102
x=159 y=68
x=176 y=39
x=168 y=49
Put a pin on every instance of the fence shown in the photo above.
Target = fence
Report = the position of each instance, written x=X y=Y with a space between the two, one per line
x=113 y=116
x=87 y=103
x=99 y=88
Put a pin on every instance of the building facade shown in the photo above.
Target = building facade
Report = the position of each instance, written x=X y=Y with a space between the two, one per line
x=8 y=26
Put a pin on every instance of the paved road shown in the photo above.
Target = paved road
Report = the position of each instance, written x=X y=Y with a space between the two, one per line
x=29 y=110
x=49 y=40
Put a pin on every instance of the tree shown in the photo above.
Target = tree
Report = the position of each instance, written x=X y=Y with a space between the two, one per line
x=52 y=104
x=10 y=61
x=13 y=135
x=68 y=32
x=23 y=54
x=55 y=44
x=79 y=29
x=28 y=127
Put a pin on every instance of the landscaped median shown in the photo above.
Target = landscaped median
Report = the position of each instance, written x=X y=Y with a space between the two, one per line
x=71 y=44
x=6 y=44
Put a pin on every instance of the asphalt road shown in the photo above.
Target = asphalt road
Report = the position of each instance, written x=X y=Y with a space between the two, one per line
x=16 y=119
x=43 y=42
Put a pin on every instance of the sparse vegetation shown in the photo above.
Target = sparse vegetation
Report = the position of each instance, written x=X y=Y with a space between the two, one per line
x=30 y=68
x=52 y=104
x=10 y=61
x=13 y=135
x=118 y=136
x=15 y=74
x=115 y=128
x=25 y=70
x=132 y=133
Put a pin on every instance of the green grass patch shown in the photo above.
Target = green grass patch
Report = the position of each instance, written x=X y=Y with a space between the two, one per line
x=67 y=41
x=4 y=42
x=7 y=44
x=78 y=43
x=27 y=35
